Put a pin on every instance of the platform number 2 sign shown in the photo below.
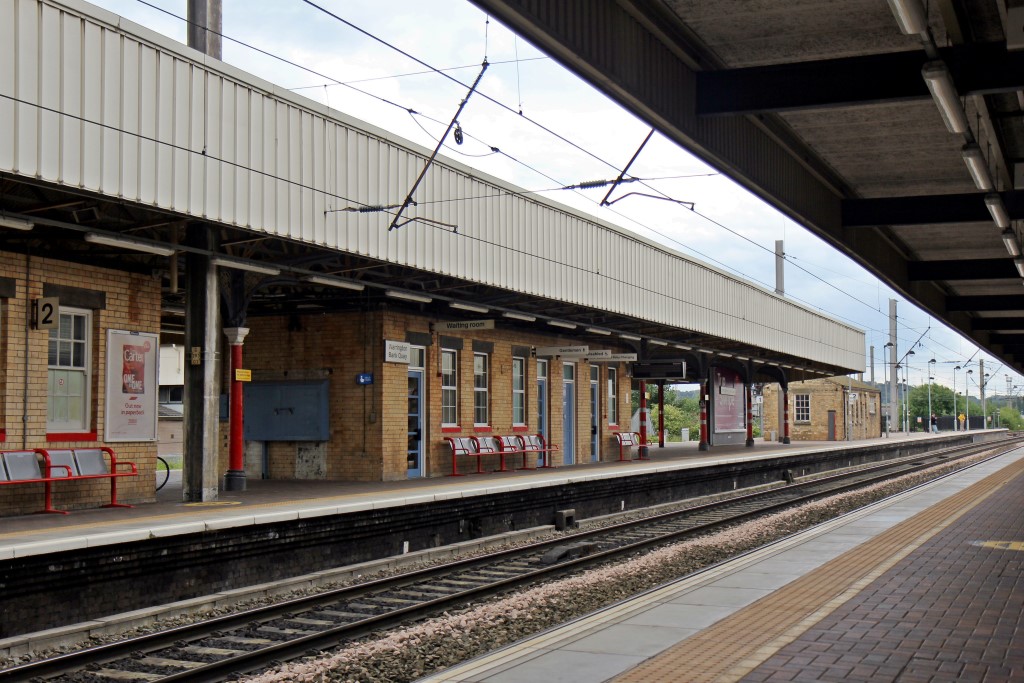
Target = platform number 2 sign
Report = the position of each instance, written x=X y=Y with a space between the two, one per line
x=46 y=313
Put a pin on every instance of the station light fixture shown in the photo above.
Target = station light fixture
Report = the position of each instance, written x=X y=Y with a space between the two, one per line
x=910 y=16
x=129 y=243
x=977 y=166
x=519 y=316
x=1019 y=262
x=408 y=296
x=1011 y=242
x=995 y=206
x=683 y=347
x=328 y=281
x=468 y=307
x=597 y=330
x=15 y=223
x=657 y=342
x=725 y=355
x=629 y=337
x=559 y=323
x=940 y=84
x=249 y=266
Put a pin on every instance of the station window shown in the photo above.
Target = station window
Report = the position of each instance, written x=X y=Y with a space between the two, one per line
x=449 y=387
x=803 y=408
x=68 y=358
x=519 y=391
x=613 y=397
x=481 y=400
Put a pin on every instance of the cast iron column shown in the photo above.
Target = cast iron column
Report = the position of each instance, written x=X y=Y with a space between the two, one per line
x=750 y=418
x=234 y=479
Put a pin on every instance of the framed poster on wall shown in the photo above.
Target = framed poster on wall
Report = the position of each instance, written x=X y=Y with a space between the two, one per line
x=132 y=389
x=730 y=401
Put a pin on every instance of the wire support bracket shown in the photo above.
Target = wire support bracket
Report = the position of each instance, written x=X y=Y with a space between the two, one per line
x=395 y=223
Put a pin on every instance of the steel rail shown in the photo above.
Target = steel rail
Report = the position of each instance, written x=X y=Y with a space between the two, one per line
x=256 y=659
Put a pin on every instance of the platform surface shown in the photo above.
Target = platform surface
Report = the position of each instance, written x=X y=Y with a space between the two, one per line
x=927 y=586
x=271 y=501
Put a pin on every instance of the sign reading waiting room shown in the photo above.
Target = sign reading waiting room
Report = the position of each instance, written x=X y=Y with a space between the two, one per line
x=464 y=325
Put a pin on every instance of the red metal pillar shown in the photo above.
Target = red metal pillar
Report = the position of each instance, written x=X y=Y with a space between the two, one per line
x=234 y=479
x=703 y=445
x=642 y=448
x=661 y=414
x=785 y=415
x=750 y=418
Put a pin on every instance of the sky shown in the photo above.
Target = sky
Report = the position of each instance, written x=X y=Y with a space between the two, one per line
x=554 y=130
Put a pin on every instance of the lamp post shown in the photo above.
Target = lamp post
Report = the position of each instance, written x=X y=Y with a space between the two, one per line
x=885 y=381
x=906 y=392
x=897 y=373
x=956 y=415
x=984 y=411
x=931 y=369
x=967 y=397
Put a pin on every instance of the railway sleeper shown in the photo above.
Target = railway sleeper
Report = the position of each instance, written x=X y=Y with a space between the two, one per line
x=133 y=676
x=572 y=551
x=170 y=663
x=336 y=614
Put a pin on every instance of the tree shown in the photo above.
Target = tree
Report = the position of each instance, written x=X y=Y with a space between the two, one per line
x=917 y=399
x=1010 y=418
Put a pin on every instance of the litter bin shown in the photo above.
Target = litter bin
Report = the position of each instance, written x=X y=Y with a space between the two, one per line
x=685 y=432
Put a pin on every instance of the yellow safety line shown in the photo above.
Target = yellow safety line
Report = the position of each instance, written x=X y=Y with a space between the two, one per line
x=738 y=644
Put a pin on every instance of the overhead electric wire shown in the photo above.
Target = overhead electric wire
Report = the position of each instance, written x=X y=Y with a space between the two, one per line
x=539 y=125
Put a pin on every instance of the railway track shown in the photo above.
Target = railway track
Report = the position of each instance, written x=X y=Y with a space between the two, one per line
x=215 y=649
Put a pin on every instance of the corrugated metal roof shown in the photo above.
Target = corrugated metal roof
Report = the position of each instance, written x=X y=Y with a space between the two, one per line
x=93 y=102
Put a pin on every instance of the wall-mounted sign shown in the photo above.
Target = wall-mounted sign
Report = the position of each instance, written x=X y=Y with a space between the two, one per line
x=853 y=397
x=243 y=375
x=397 y=352
x=464 y=325
x=364 y=378
x=598 y=354
x=730 y=404
x=563 y=351
x=618 y=358
x=46 y=313
x=132 y=387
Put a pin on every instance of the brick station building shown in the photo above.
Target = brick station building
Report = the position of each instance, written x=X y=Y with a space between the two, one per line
x=821 y=409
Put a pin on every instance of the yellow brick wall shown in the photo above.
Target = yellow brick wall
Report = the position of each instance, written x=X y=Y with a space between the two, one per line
x=825 y=396
x=132 y=303
x=369 y=424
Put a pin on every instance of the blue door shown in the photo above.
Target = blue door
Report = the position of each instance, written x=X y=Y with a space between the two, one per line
x=414 y=452
x=595 y=413
x=569 y=414
x=542 y=402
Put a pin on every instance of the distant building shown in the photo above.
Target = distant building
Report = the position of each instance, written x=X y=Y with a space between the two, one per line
x=821 y=409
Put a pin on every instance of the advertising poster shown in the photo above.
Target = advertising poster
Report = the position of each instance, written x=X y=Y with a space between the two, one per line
x=132 y=387
x=729 y=397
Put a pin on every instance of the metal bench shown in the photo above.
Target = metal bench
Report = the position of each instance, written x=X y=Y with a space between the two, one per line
x=46 y=467
x=468 y=445
x=626 y=441
x=535 y=443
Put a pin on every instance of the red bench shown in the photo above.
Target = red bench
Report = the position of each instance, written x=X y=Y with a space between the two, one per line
x=46 y=466
x=467 y=445
x=626 y=441
x=535 y=443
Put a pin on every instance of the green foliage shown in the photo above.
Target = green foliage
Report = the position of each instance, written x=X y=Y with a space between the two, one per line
x=680 y=411
x=1010 y=418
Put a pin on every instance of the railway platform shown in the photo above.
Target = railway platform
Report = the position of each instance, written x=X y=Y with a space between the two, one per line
x=274 y=501
x=926 y=586
x=91 y=567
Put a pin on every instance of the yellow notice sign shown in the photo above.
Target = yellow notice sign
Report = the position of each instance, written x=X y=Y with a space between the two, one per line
x=1002 y=545
x=243 y=375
